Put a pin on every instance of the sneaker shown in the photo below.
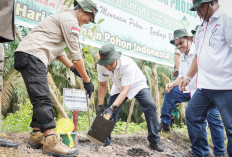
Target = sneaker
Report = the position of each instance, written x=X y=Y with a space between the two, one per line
x=164 y=127
x=5 y=143
x=157 y=146
x=107 y=142
x=35 y=140
x=53 y=146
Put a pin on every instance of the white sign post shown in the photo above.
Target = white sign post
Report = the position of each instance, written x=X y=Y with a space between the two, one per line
x=74 y=99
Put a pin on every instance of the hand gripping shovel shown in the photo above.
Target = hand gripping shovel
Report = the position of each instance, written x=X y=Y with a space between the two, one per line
x=66 y=126
x=100 y=129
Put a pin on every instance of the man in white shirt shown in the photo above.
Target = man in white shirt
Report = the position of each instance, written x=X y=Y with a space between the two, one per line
x=212 y=65
x=128 y=82
x=173 y=95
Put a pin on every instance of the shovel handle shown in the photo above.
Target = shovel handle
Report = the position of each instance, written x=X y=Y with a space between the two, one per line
x=71 y=144
x=107 y=116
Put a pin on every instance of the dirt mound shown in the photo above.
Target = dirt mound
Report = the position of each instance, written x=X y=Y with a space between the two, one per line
x=137 y=152
x=135 y=145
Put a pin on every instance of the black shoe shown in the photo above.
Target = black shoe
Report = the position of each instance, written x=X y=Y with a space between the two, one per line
x=157 y=146
x=219 y=155
x=5 y=143
x=107 y=142
x=164 y=127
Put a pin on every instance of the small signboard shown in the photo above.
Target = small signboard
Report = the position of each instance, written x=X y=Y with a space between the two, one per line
x=74 y=99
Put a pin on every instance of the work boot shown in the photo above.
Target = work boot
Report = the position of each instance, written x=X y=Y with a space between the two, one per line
x=164 y=127
x=53 y=146
x=35 y=140
x=157 y=146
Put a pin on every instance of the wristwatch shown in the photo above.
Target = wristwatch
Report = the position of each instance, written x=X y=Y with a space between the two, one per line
x=114 y=107
x=188 y=78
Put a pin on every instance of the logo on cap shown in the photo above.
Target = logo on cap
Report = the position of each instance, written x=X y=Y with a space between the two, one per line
x=94 y=10
x=102 y=56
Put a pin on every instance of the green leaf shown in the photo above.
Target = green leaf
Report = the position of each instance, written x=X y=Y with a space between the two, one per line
x=86 y=49
x=100 y=21
x=94 y=28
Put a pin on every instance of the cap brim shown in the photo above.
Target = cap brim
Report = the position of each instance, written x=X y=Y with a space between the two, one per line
x=198 y=4
x=105 y=62
x=87 y=10
x=193 y=32
x=172 y=42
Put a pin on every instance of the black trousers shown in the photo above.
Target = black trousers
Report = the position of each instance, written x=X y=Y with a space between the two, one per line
x=34 y=73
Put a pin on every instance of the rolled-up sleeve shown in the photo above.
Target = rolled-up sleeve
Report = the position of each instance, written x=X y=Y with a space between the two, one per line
x=63 y=53
x=71 y=36
x=100 y=73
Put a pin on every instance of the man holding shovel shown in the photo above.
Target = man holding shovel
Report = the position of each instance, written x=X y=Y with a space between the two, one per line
x=128 y=82
x=34 y=54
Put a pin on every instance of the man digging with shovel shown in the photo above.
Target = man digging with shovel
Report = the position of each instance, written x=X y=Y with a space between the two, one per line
x=128 y=82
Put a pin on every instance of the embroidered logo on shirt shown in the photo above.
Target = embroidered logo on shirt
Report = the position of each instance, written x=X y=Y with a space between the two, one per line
x=105 y=75
x=75 y=30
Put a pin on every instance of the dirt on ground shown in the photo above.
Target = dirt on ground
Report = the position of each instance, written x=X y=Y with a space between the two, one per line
x=121 y=146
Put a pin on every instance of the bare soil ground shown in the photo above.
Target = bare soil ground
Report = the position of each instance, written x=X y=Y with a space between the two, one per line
x=121 y=146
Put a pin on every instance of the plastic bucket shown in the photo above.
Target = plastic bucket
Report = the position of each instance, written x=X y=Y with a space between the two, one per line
x=66 y=139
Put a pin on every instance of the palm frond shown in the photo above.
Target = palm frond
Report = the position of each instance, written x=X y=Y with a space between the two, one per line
x=8 y=92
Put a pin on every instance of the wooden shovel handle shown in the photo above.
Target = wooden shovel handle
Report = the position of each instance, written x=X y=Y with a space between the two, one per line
x=107 y=116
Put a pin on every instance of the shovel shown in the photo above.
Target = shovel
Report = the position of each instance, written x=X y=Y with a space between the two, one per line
x=66 y=126
x=100 y=129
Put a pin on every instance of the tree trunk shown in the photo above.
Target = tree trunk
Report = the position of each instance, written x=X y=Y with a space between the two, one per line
x=2 y=54
x=132 y=104
x=155 y=90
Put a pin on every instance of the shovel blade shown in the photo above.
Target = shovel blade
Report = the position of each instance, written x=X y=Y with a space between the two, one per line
x=100 y=130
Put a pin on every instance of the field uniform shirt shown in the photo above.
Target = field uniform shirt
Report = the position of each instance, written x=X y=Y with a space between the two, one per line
x=6 y=20
x=48 y=39
x=185 y=63
x=214 y=52
x=126 y=73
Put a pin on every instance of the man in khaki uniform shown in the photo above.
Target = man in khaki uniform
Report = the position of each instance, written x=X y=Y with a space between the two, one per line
x=35 y=52
x=6 y=35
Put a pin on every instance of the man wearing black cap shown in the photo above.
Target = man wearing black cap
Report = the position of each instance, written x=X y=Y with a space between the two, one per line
x=212 y=65
x=32 y=57
x=128 y=82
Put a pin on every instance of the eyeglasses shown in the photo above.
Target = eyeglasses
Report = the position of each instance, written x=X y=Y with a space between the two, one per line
x=180 y=43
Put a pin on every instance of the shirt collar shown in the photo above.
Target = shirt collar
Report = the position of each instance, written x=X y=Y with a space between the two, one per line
x=216 y=14
x=118 y=63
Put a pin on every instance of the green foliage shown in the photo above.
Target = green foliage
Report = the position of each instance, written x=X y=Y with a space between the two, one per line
x=20 y=120
x=132 y=128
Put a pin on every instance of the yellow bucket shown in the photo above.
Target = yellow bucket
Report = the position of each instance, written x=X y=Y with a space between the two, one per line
x=65 y=126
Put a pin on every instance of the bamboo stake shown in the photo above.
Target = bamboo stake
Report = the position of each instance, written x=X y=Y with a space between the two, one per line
x=132 y=104
x=156 y=90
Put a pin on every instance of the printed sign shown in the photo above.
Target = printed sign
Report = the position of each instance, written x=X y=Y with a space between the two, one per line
x=74 y=99
x=138 y=28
